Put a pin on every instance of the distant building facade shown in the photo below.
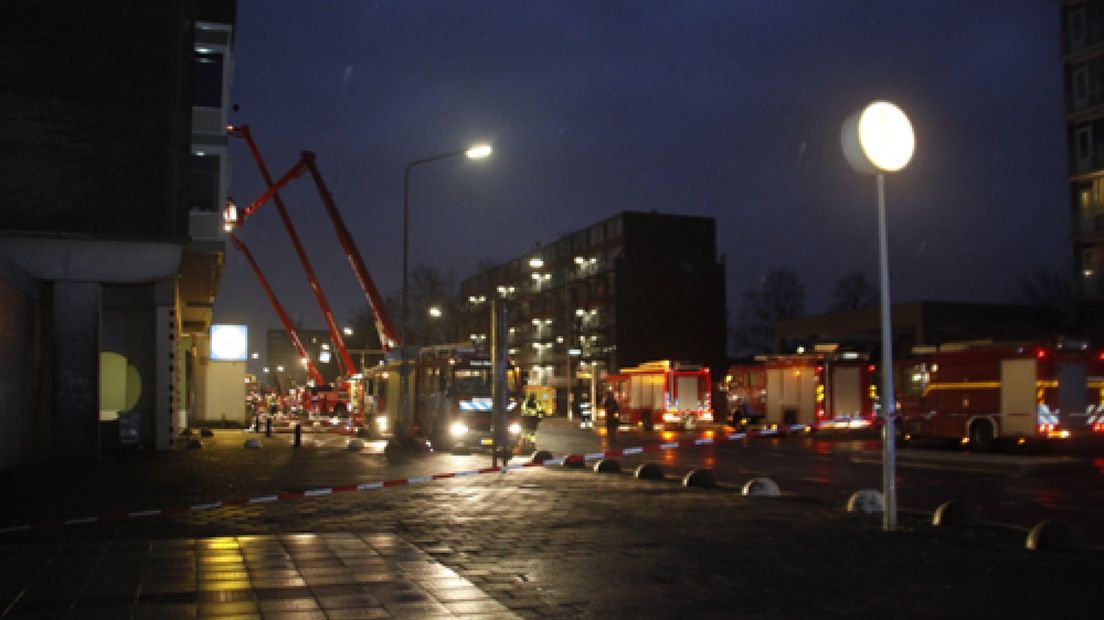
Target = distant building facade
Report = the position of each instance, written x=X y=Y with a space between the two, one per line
x=1083 y=73
x=632 y=288
x=284 y=368
x=919 y=324
x=111 y=248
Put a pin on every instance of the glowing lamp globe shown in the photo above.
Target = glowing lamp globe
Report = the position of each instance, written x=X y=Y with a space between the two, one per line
x=878 y=139
x=229 y=342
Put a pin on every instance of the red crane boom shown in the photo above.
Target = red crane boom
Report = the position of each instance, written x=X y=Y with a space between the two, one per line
x=312 y=370
x=346 y=362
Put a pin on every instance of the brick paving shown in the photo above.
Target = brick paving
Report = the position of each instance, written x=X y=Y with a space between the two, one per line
x=537 y=543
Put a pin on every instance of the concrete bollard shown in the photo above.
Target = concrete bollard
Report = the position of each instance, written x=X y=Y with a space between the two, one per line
x=700 y=478
x=650 y=471
x=760 y=487
x=1056 y=535
x=866 y=500
x=607 y=466
x=540 y=456
x=298 y=436
x=956 y=514
x=574 y=461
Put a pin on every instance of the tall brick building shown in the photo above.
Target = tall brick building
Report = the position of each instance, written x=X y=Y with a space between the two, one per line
x=111 y=251
x=1083 y=62
x=632 y=288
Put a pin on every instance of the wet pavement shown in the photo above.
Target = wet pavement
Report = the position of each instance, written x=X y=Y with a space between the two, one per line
x=531 y=543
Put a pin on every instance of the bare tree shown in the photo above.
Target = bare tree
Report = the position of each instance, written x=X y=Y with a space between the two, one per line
x=428 y=288
x=781 y=295
x=853 y=292
x=1051 y=289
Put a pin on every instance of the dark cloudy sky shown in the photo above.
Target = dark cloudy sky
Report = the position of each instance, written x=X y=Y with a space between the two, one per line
x=729 y=109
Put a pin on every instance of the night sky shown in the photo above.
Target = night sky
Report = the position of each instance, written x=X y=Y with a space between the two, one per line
x=725 y=109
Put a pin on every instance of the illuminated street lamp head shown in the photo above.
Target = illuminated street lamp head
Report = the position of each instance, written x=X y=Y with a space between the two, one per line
x=435 y=312
x=878 y=139
x=479 y=151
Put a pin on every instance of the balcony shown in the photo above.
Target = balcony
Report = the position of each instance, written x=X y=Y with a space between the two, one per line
x=1088 y=224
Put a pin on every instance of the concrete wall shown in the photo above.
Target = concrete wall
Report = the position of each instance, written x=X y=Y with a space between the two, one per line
x=19 y=340
x=222 y=385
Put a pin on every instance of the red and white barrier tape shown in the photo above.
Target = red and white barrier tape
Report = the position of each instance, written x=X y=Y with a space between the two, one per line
x=381 y=484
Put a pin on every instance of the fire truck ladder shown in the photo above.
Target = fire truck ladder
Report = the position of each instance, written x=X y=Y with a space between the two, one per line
x=384 y=328
x=312 y=370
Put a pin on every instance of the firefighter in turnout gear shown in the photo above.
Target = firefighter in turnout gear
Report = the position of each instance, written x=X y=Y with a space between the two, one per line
x=531 y=414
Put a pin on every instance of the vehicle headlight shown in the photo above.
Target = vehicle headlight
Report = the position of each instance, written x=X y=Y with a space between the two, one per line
x=458 y=429
x=515 y=428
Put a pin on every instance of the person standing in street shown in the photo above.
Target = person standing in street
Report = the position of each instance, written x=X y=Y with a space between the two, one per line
x=613 y=415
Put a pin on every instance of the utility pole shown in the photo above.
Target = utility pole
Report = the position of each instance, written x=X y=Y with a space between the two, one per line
x=499 y=389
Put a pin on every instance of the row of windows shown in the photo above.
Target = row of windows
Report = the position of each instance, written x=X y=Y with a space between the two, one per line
x=574 y=256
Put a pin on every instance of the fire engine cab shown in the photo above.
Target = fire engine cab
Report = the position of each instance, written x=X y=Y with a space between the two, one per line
x=983 y=393
x=662 y=392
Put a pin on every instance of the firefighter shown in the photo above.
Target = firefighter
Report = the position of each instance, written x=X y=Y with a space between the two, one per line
x=530 y=419
x=613 y=415
x=532 y=407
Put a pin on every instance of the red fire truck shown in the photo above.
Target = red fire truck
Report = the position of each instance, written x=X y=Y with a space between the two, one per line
x=982 y=393
x=836 y=390
x=661 y=392
x=450 y=387
x=745 y=389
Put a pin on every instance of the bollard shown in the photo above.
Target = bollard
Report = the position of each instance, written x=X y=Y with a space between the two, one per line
x=298 y=435
x=268 y=427
x=256 y=424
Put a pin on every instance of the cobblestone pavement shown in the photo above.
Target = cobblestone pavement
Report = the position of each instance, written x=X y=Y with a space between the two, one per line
x=533 y=543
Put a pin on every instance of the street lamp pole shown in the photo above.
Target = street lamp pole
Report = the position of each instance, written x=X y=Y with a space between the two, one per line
x=876 y=140
x=403 y=429
x=889 y=408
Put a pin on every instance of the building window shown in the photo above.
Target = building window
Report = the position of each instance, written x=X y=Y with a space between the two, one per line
x=205 y=182
x=1077 y=27
x=1084 y=195
x=207 y=79
x=1084 y=148
x=1080 y=86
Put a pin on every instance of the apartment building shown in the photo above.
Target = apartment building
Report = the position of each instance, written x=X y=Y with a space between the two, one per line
x=628 y=289
x=1083 y=68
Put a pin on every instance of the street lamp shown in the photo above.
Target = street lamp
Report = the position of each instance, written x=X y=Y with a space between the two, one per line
x=479 y=151
x=876 y=140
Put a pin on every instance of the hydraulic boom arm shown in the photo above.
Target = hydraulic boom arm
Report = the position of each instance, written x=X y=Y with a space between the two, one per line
x=312 y=370
x=344 y=360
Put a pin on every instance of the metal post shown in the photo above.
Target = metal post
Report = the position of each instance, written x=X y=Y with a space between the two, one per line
x=298 y=435
x=568 y=341
x=499 y=317
x=403 y=430
x=889 y=407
